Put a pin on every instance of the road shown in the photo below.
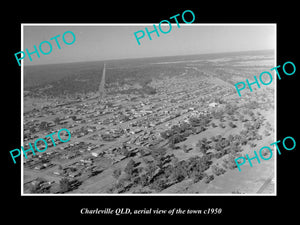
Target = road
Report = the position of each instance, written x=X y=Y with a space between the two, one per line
x=265 y=185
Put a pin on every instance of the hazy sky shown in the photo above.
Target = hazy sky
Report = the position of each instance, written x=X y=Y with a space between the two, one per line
x=118 y=41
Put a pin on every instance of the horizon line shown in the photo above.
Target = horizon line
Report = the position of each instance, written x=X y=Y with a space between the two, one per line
x=148 y=57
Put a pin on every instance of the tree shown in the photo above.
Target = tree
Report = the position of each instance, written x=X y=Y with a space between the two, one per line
x=124 y=151
x=256 y=125
x=32 y=129
x=116 y=173
x=266 y=133
x=180 y=171
x=208 y=178
x=198 y=144
x=129 y=169
x=176 y=138
x=244 y=140
x=175 y=160
x=204 y=162
x=159 y=184
x=204 y=140
x=247 y=125
x=168 y=170
x=184 y=148
x=64 y=185
x=34 y=188
x=56 y=120
x=143 y=180
x=231 y=124
x=197 y=175
x=43 y=125
x=203 y=145
x=222 y=125
x=175 y=129
x=259 y=137
x=230 y=161
x=252 y=145
x=164 y=135
x=217 y=170
x=244 y=133
x=73 y=118
x=159 y=155
x=171 y=143
x=194 y=121
x=150 y=169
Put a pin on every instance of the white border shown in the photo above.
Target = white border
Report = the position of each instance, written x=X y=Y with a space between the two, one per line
x=22 y=111
x=146 y=24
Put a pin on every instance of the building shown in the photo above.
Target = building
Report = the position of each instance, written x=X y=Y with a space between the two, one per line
x=213 y=104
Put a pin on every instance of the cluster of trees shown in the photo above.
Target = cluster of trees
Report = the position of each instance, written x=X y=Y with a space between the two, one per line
x=230 y=109
x=107 y=137
x=201 y=121
x=221 y=145
x=267 y=133
x=116 y=173
x=85 y=80
x=42 y=186
x=175 y=130
x=231 y=124
x=39 y=186
x=176 y=134
x=250 y=130
x=80 y=83
x=208 y=178
x=203 y=145
x=222 y=125
x=56 y=120
x=179 y=133
x=149 y=90
x=269 y=126
x=232 y=145
x=217 y=170
x=217 y=114
x=124 y=151
x=145 y=90
x=193 y=168
x=252 y=105
x=229 y=161
x=66 y=185
x=162 y=172
x=165 y=170
x=44 y=126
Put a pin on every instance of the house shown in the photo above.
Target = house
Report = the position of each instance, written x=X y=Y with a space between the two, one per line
x=61 y=122
x=39 y=167
x=57 y=173
x=95 y=154
x=50 y=124
x=213 y=104
x=74 y=174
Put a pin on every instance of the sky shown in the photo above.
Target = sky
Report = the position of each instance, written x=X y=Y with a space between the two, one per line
x=116 y=41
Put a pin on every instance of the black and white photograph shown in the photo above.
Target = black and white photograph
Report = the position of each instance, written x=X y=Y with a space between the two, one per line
x=149 y=112
x=129 y=109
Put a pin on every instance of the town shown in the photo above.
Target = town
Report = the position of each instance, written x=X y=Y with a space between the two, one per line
x=176 y=133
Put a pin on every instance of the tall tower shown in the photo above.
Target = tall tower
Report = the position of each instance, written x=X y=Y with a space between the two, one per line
x=102 y=86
